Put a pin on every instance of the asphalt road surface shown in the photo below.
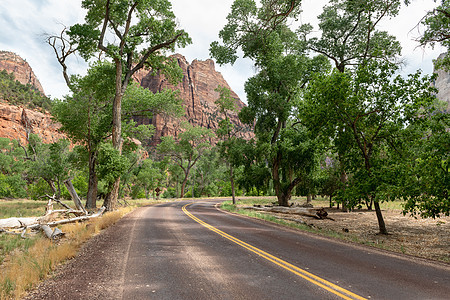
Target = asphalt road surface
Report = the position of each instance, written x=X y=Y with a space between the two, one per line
x=185 y=250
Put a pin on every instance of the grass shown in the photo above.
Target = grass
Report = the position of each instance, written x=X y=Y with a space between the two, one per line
x=25 y=262
x=318 y=202
x=23 y=208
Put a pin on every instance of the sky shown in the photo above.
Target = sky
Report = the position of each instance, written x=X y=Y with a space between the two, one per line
x=24 y=24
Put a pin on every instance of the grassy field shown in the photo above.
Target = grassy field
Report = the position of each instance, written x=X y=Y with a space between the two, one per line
x=317 y=202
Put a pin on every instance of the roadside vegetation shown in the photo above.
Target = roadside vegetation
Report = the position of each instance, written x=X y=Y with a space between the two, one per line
x=26 y=261
x=425 y=238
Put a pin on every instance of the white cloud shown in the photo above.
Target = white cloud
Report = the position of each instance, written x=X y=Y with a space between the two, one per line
x=24 y=23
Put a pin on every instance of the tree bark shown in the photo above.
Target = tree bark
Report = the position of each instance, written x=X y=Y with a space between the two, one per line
x=74 y=195
x=91 y=198
x=232 y=185
x=51 y=183
x=111 y=199
x=380 y=219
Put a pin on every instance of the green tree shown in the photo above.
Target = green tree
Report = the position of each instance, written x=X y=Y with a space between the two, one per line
x=262 y=33
x=150 y=176
x=349 y=34
x=225 y=104
x=51 y=163
x=13 y=169
x=186 y=149
x=85 y=117
x=373 y=107
x=420 y=166
x=350 y=37
x=133 y=35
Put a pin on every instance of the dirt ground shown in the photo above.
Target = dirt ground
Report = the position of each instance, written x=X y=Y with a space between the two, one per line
x=427 y=238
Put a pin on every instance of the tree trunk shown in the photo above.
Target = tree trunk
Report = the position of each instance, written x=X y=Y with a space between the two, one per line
x=183 y=186
x=283 y=199
x=308 y=199
x=74 y=195
x=51 y=183
x=232 y=185
x=344 y=182
x=91 y=198
x=380 y=219
x=111 y=200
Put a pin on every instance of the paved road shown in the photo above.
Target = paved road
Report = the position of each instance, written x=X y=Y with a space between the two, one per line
x=185 y=250
x=175 y=257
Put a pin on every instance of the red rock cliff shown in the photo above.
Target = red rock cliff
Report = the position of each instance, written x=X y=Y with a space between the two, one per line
x=17 y=122
x=13 y=63
x=200 y=79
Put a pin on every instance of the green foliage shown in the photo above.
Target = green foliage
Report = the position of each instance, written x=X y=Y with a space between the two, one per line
x=282 y=152
x=149 y=176
x=437 y=28
x=350 y=35
x=111 y=164
x=155 y=23
x=38 y=188
x=423 y=174
x=86 y=116
x=247 y=21
x=374 y=110
x=186 y=149
x=50 y=162
x=17 y=93
x=13 y=169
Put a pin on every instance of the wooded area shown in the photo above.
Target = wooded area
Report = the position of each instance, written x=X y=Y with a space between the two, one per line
x=331 y=116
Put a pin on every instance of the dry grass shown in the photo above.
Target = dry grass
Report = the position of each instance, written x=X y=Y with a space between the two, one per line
x=426 y=238
x=24 y=268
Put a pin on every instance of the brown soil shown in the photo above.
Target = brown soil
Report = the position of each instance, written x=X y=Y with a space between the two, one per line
x=427 y=238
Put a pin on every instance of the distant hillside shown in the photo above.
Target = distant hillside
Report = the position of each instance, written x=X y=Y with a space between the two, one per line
x=16 y=93
x=22 y=71
x=23 y=105
x=197 y=91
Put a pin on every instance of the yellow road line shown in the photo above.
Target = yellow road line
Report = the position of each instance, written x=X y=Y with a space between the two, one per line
x=337 y=290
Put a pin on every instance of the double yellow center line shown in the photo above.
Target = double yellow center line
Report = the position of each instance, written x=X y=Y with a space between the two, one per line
x=332 y=288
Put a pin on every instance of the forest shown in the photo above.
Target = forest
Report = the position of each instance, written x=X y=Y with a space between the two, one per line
x=331 y=115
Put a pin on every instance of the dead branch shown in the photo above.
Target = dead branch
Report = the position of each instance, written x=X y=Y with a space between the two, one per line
x=74 y=195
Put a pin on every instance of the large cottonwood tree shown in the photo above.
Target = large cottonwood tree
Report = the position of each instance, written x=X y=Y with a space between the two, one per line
x=132 y=35
x=263 y=35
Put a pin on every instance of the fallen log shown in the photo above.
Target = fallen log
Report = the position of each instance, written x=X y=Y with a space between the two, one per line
x=317 y=213
x=52 y=234
x=71 y=220
x=18 y=222
x=43 y=223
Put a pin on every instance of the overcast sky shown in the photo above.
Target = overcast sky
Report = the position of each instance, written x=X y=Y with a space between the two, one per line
x=24 y=24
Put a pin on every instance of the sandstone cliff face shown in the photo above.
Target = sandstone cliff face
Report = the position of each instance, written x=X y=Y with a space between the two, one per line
x=443 y=85
x=200 y=79
x=13 y=63
x=17 y=123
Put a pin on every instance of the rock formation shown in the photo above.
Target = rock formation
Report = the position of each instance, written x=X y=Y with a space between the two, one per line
x=13 y=63
x=17 y=123
x=442 y=83
x=200 y=79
